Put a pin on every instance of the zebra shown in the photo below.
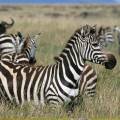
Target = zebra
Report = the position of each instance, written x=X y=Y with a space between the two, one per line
x=105 y=36
x=89 y=76
x=60 y=82
x=27 y=56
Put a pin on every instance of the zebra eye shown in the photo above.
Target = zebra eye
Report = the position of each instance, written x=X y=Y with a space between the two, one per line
x=95 y=44
x=83 y=36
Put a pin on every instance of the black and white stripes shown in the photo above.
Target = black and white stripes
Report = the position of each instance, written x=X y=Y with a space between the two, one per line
x=105 y=36
x=57 y=83
x=10 y=44
x=27 y=55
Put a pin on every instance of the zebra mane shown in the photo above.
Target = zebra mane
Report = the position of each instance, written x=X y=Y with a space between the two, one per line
x=100 y=30
x=82 y=31
x=56 y=58
x=85 y=30
x=26 y=43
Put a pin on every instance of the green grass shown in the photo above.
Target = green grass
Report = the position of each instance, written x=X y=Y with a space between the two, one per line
x=55 y=33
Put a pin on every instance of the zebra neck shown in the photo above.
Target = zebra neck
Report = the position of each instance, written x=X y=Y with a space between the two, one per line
x=71 y=56
x=70 y=69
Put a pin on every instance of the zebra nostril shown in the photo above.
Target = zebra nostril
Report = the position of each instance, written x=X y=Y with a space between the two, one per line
x=32 y=61
x=111 y=63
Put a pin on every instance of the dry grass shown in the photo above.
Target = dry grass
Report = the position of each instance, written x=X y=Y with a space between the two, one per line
x=57 y=24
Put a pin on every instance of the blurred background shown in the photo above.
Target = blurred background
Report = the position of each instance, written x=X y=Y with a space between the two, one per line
x=62 y=1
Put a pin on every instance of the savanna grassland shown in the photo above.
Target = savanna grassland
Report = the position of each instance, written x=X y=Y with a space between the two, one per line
x=56 y=24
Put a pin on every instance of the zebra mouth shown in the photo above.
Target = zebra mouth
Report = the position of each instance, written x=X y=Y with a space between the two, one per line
x=111 y=63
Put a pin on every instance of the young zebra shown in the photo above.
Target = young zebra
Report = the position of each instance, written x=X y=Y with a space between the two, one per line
x=27 y=56
x=58 y=83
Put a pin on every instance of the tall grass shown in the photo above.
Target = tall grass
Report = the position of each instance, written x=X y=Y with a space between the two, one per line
x=56 y=30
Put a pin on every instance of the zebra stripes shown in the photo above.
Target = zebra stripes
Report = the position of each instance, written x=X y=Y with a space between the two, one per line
x=57 y=83
x=105 y=36
x=27 y=55
x=88 y=81
x=12 y=43
x=9 y=44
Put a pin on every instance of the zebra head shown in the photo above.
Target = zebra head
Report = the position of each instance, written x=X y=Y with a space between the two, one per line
x=90 y=49
x=30 y=48
x=4 y=26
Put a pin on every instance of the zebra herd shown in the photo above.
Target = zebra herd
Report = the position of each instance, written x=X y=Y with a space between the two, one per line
x=54 y=84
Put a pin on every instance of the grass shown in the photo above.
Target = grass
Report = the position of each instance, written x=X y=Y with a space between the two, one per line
x=57 y=24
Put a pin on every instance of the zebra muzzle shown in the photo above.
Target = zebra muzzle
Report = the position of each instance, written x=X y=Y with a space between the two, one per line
x=111 y=63
x=32 y=61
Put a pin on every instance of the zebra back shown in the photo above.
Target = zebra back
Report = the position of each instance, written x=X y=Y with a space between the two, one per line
x=10 y=44
x=26 y=57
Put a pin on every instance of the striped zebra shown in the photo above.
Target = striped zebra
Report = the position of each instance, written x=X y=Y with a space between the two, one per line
x=89 y=76
x=87 y=86
x=88 y=81
x=27 y=56
x=60 y=82
x=105 y=36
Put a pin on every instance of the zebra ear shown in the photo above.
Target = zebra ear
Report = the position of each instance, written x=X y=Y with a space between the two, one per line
x=37 y=35
x=100 y=30
x=94 y=26
x=26 y=41
x=84 y=31
x=93 y=30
